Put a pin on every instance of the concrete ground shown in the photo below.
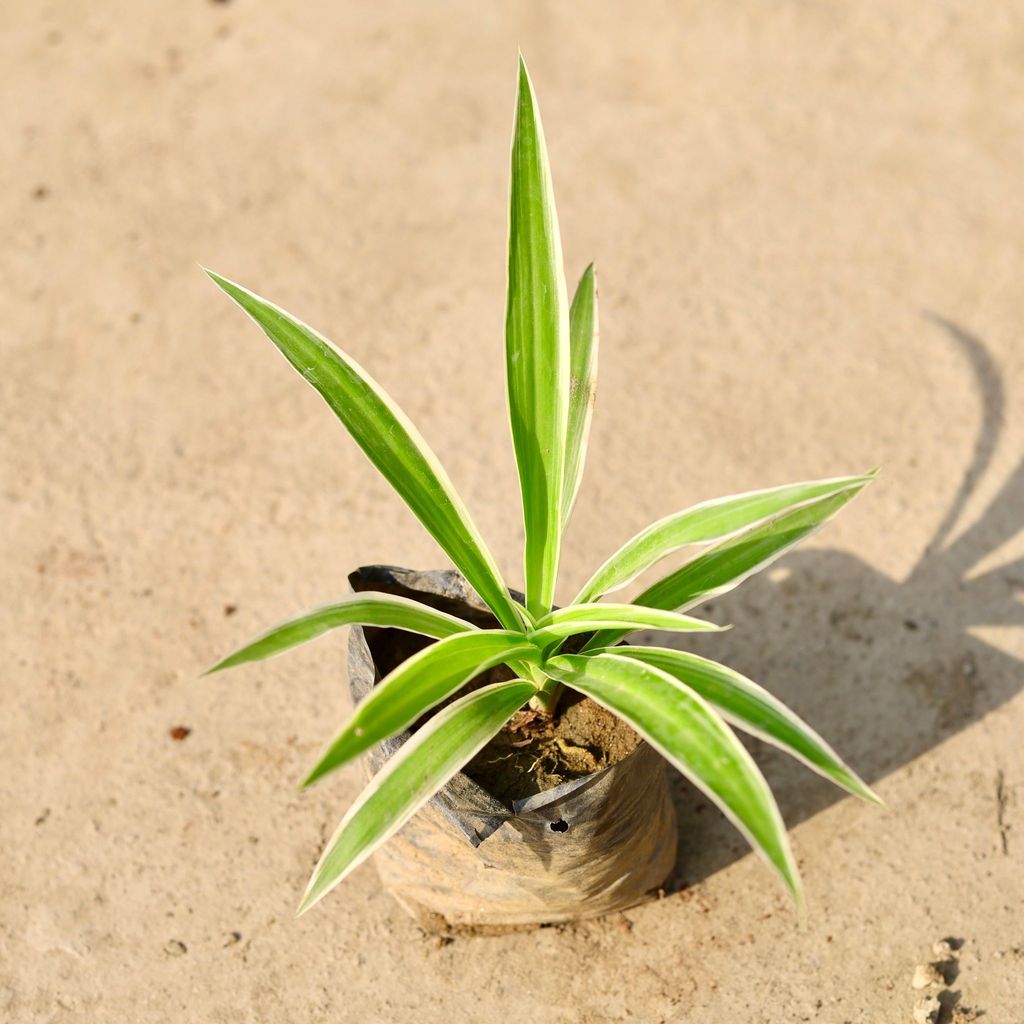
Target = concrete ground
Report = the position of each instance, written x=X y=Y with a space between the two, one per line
x=807 y=219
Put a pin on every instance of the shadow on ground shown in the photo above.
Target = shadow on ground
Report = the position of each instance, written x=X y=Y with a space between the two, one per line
x=885 y=669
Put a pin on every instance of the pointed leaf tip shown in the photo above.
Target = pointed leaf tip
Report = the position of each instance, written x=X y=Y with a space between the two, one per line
x=871 y=796
x=213 y=275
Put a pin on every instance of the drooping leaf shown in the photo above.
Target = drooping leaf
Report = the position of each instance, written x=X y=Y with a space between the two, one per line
x=585 y=618
x=390 y=441
x=536 y=348
x=367 y=609
x=418 y=684
x=708 y=521
x=753 y=709
x=583 y=337
x=727 y=565
x=409 y=779
x=688 y=732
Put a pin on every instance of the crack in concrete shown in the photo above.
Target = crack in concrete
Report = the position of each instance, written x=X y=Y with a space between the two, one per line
x=1002 y=827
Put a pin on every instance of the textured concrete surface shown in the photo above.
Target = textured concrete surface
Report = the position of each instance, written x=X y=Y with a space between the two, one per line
x=807 y=219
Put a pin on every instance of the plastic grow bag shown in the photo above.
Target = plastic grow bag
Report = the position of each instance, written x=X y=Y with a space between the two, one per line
x=590 y=846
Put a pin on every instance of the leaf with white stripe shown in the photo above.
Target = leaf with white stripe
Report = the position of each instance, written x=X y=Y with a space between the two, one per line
x=585 y=618
x=409 y=779
x=536 y=348
x=368 y=609
x=701 y=524
x=754 y=710
x=688 y=733
x=417 y=685
x=727 y=565
x=389 y=439
x=583 y=336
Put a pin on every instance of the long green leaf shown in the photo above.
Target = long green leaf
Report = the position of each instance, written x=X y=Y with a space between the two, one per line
x=728 y=564
x=390 y=441
x=700 y=524
x=536 y=348
x=417 y=685
x=368 y=609
x=583 y=337
x=409 y=779
x=585 y=618
x=688 y=732
x=753 y=709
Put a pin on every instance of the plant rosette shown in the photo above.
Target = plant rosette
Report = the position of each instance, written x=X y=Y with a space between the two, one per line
x=448 y=669
x=492 y=847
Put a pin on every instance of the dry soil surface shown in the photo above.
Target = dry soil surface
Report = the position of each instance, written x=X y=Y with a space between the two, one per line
x=808 y=224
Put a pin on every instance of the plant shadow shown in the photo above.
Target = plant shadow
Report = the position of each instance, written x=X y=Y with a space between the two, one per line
x=885 y=669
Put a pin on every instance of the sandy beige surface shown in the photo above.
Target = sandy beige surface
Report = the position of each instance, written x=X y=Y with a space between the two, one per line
x=808 y=222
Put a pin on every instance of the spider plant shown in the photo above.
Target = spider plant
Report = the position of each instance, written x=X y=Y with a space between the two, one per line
x=683 y=705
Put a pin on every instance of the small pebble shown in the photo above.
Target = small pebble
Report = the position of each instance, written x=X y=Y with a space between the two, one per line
x=927 y=1010
x=942 y=949
x=927 y=974
x=175 y=948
